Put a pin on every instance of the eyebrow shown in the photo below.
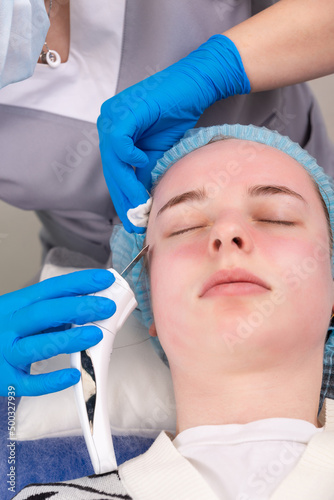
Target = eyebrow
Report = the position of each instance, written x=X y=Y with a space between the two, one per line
x=195 y=195
x=253 y=191
x=264 y=190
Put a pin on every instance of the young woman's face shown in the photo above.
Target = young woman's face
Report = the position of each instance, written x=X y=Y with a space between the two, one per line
x=239 y=257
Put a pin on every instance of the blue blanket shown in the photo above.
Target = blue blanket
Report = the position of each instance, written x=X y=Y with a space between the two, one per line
x=50 y=460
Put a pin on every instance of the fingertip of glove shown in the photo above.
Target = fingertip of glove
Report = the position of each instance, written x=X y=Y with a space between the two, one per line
x=89 y=335
x=74 y=376
x=103 y=277
x=139 y=230
x=130 y=228
x=66 y=379
x=138 y=158
x=56 y=382
x=106 y=306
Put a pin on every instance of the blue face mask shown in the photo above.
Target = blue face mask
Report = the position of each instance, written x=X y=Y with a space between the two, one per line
x=23 y=28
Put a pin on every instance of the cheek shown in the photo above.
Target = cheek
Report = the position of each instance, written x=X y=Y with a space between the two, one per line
x=173 y=276
x=171 y=269
x=191 y=248
x=303 y=270
x=177 y=256
x=290 y=254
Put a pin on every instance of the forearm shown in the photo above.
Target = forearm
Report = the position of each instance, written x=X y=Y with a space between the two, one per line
x=289 y=42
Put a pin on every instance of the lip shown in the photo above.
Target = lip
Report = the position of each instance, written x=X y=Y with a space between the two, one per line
x=235 y=281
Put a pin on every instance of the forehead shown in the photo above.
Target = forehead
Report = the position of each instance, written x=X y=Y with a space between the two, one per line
x=232 y=163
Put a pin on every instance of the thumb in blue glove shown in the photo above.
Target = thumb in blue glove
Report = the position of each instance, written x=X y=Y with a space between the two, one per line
x=56 y=302
x=139 y=124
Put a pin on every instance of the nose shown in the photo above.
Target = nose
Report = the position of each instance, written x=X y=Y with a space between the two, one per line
x=230 y=233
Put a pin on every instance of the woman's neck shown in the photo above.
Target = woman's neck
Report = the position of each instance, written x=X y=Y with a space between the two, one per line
x=58 y=37
x=246 y=398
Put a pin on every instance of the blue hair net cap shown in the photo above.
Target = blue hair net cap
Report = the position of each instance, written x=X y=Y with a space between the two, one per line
x=126 y=246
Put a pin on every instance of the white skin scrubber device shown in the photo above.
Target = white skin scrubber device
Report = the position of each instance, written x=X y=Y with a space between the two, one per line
x=91 y=390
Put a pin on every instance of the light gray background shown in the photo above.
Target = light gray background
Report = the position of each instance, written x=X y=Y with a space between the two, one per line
x=20 y=251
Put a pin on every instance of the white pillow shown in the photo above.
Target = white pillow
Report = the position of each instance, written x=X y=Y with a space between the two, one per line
x=140 y=400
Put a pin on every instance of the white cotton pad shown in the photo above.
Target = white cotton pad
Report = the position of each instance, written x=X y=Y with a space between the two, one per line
x=138 y=216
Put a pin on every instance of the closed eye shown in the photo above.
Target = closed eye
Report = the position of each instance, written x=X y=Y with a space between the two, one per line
x=181 y=231
x=268 y=221
x=283 y=222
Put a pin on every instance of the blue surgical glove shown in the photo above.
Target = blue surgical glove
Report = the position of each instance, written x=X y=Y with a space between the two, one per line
x=24 y=315
x=139 y=124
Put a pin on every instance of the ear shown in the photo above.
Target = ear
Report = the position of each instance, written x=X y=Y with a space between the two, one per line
x=152 y=330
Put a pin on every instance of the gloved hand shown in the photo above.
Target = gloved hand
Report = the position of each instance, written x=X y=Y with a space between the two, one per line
x=24 y=314
x=139 y=124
